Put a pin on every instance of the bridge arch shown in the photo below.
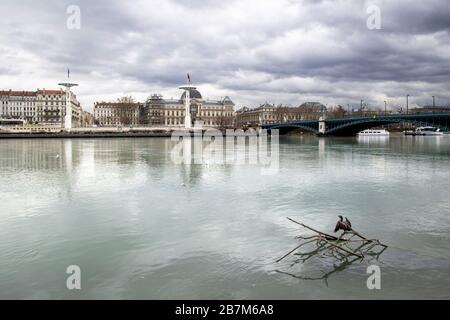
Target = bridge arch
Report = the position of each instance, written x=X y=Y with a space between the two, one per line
x=353 y=127
x=287 y=127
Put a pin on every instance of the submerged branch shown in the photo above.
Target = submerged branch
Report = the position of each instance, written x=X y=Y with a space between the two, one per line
x=328 y=246
x=297 y=247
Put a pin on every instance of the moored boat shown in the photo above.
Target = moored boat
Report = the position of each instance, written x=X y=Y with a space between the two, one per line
x=424 y=131
x=373 y=132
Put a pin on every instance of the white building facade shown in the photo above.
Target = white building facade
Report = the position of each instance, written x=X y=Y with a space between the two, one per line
x=45 y=107
x=158 y=111
x=18 y=105
x=117 y=113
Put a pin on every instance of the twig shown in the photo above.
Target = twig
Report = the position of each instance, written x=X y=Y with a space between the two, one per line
x=318 y=246
x=356 y=233
x=294 y=250
x=343 y=249
x=316 y=231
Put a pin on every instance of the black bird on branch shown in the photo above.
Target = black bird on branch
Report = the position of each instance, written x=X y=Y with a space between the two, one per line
x=343 y=225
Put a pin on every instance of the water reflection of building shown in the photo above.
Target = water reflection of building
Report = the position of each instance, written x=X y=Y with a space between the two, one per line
x=38 y=154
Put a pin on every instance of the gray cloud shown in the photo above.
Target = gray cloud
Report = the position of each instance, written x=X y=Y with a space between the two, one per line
x=280 y=51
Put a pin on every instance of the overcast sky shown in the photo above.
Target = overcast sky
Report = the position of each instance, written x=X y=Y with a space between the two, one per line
x=253 y=51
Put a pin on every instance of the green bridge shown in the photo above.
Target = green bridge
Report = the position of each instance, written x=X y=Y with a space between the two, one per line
x=349 y=126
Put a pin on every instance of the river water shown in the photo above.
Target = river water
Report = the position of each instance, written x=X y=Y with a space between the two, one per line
x=141 y=226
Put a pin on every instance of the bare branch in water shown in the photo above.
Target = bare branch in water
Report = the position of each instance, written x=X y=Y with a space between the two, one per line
x=339 y=248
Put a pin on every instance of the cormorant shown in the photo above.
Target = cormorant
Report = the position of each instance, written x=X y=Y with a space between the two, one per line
x=343 y=225
x=348 y=222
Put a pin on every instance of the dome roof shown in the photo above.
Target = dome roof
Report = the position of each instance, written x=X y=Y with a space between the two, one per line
x=194 y=94
x=227 y=100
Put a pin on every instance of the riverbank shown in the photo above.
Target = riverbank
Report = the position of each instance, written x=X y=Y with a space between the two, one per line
x=53 y=135
x=19 y=133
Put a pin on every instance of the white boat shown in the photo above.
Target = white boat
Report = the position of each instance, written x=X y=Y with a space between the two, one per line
x=373 y=132
x=428 y=131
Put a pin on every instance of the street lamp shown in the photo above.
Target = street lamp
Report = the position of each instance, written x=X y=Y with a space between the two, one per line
x=385 y=107
x=407 y=103
x=434 y=104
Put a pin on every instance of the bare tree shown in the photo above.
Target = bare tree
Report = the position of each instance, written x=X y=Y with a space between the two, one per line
x=126 y=99
x=281 y=113
x=337 y=112
x=125 y=119
x=224 y=122
x=311 y=110
x=124 y=110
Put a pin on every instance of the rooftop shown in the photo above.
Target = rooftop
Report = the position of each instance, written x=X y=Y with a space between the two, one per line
x=116 y=104
x=29 y=93
x=17 y=93
x=44 y=91
x=194 y=94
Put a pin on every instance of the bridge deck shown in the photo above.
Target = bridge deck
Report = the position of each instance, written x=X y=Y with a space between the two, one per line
x=352 y=125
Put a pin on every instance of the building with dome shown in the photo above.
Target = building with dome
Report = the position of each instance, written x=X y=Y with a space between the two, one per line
x=269 y=113
x=158 y=111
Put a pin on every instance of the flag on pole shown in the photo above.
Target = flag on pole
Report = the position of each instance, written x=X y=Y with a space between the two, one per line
x=189 y=78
